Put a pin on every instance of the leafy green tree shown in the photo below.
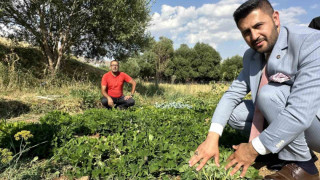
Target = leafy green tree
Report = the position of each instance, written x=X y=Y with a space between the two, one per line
x=131 y=67
x=206 y=63
x=163 y=50
x=92 y=28
x=181 y=65
x=230 y=68
x=147 y=64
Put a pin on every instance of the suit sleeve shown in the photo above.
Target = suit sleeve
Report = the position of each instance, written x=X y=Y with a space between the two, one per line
x=234 y=95
x=303 y=101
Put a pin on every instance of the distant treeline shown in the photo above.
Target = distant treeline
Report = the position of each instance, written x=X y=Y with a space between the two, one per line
x=202 y=63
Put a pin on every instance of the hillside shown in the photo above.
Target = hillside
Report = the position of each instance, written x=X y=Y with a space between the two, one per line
x=27 y=92
x=22 y=58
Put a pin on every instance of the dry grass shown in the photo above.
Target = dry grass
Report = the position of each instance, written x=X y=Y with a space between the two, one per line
x=8 y=42
x=190 y=89
x=41 y=100
x=5 y=41
x=30 y=93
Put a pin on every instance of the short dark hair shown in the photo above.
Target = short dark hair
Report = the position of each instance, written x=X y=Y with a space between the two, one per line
x=315 y=23
x=114 y=61
x=246 y=8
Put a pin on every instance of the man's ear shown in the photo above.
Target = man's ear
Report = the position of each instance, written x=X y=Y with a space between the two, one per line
x=276 y=18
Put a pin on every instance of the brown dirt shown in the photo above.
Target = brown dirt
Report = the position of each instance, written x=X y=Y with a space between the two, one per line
x=263 y=171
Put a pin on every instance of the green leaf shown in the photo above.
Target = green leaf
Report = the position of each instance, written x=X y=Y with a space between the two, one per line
x=150 y=137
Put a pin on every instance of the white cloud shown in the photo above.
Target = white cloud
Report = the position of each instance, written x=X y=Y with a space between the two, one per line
x=315 y=6
x=210 y=23
x=290 y=15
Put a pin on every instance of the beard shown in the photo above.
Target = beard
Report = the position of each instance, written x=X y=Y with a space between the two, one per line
x=271 y=41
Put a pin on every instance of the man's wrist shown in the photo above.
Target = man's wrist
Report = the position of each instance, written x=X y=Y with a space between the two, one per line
x=213 y=137
x=259 y=147
x=132 y=95
x=253 y=150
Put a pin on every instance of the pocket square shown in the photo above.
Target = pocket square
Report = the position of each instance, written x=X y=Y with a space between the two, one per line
x=279 y=77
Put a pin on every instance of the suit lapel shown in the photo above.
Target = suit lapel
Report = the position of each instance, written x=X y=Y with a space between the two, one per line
x=278 y=53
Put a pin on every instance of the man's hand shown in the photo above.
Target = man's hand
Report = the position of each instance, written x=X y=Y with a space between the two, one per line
x=110 y=102
x=244 y=156
x=127 y=97
x=208 y=149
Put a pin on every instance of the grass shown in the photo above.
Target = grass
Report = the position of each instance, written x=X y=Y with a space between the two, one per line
x=148 y=93
x=27 y=95
x=70 y=97
x=190 y=89
x=32 y=102
x=9 y=42
x=26 y=105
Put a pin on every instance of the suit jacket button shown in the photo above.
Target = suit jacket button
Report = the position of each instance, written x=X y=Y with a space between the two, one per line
x=278 y=56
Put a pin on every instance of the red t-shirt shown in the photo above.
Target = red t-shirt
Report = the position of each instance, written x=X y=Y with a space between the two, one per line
x=115 y=84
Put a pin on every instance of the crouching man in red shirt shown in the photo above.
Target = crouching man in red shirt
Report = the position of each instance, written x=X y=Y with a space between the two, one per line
x=112 y=88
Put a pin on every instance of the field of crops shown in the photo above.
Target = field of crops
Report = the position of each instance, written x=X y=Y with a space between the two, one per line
x=152 y=141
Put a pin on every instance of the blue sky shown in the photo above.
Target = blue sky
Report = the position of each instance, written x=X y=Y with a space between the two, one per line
x=211 y=21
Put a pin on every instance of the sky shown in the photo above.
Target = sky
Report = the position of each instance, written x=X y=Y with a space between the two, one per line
x=211 y=21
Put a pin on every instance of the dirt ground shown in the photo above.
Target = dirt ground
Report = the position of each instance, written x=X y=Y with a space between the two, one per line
x=263 y=171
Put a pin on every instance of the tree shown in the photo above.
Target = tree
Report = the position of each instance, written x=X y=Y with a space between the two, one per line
x=147 y=64
x=206 y=62
x=230 y=68
x=181 y=64
x=131 y=67
x=93 y=28
x=164 y=52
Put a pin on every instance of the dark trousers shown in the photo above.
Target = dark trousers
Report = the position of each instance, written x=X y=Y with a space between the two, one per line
x=118 y=102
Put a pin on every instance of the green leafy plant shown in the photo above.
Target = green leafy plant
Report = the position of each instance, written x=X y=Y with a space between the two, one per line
x=89 y=99
x=141 y=143
x=6 y=156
